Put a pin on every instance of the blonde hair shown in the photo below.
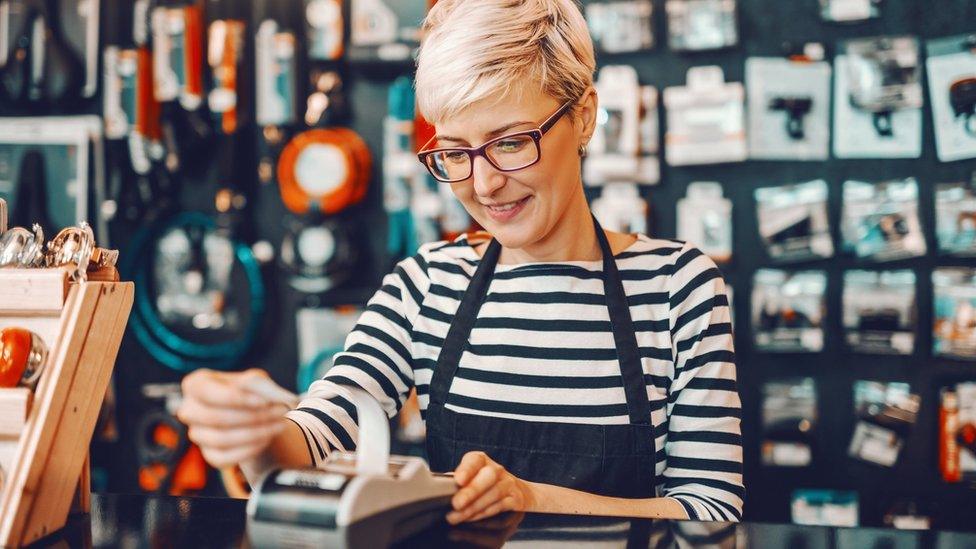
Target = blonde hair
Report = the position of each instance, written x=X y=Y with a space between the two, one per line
x=478 y=49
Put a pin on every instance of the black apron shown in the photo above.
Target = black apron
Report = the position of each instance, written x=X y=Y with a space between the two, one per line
x=610 y=460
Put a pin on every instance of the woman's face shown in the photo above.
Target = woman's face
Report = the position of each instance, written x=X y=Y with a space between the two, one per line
x=523 y=207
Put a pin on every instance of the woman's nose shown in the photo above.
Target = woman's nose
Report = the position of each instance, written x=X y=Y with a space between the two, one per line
x=487 y=179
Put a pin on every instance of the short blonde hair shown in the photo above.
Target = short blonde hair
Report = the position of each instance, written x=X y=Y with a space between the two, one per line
x=478 y=49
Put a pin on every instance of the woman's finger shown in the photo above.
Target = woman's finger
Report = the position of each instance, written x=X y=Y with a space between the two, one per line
x=490 y=496
x=226 y=458
x=470 y=464
x=483 y=480
x=219 y=389
x=195 y=412
x=506 y=504
x=225 y=439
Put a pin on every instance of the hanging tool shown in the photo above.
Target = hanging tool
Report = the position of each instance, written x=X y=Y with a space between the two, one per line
x=168 y=462
x=275 y=69
x=43 y=72
x=31 y=203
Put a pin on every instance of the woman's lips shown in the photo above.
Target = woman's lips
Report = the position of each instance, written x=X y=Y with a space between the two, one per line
x=506 y=212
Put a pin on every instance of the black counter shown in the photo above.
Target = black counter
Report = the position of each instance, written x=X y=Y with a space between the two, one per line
x=160 y=521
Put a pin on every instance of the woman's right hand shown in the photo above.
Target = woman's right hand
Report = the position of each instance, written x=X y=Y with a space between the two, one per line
x=229 y=423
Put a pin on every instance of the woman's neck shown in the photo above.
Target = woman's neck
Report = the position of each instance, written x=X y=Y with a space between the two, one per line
x=571 y=239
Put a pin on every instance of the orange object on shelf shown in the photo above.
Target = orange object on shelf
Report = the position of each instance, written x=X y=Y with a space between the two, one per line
x=948 y=445
x=176 y=475
x=193 y=54
x=325 y=170
x=22 y=355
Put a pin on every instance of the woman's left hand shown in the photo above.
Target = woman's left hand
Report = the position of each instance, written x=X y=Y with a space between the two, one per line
x=486 y=489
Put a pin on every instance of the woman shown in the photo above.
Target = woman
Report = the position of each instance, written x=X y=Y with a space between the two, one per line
x=559 y=367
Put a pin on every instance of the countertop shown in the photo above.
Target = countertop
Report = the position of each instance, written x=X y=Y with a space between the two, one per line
x=132 y=520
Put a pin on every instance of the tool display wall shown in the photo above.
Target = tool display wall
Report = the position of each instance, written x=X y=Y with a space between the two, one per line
x=765 y=29
x=220 y=172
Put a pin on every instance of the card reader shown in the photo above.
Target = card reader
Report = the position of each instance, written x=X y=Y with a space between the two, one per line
x=362 y=499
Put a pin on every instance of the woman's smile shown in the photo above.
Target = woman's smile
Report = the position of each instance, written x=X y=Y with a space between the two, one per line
x=504 y=212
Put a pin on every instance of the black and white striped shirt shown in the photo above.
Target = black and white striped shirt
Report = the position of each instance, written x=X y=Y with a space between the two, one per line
x=542 y=350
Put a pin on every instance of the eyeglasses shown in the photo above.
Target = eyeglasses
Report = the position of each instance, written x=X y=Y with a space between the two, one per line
x=507 y=153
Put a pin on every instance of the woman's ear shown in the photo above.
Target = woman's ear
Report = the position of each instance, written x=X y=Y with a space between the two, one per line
x=589 y=105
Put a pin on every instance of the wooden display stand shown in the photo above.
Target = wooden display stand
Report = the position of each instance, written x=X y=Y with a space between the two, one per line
x=44 y=435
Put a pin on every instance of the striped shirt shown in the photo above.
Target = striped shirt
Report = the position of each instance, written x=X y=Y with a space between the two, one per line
x=542 y=349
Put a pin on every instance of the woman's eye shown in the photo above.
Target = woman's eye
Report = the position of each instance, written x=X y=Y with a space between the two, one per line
x=456 y=157
x=510 y=145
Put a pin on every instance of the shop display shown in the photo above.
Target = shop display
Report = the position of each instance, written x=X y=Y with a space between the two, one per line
x=908 y=514
x=317 y=252
x=705 y=219
x=385 y=30
x=621 y=26
x=275 y=94
x=608 y=157
x=613 y=151
x=324 y=29
x=825 y=507
x=225 y=55
x=203 y=280
x=878 y=99
x=74 y=249
x=22 y=357
x=793 y=221
x=321 y=334
x=169 y=464
x=955 y=218
x=177 y=34
x=788 y=310
x=120 y=63
x=324 y=170
x=789 y=420
x=22 y=248
x=886 y=413
x=200 y=294
x=705 y=119
x=880 y=220
x=879 y=311
x=849 y=11
x=951 y=66
x=620 y=208
x=119 y=70
x=51 y=54
x=954 y=318
x=649 y=163
x=696 y=25
x=274 y=70
x=66 y=155
x=404 y=181
x=957 y=433
x=789 y=106
x=144 y=137
x=51 y=400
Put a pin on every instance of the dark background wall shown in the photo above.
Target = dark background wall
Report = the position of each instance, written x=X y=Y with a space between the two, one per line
x=765 y=25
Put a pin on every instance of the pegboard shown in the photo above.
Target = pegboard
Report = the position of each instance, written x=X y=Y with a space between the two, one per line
x=764 y=27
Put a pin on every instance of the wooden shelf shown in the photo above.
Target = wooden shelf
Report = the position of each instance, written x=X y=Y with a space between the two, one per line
x=44 y=443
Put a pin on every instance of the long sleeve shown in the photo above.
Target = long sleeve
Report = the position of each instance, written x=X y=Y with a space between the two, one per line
x=704 y=444
x=376 y=358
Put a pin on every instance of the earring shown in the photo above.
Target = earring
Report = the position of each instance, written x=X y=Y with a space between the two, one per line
x=582 y=149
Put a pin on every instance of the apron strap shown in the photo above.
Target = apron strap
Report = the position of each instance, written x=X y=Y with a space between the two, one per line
x=624 y=337
x=460 y=330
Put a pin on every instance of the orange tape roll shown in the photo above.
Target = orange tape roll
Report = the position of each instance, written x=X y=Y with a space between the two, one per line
x=326 y=170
